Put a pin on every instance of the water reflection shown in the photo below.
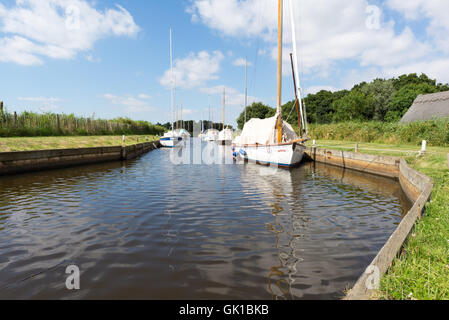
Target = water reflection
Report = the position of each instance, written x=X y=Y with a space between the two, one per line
x=146 y=229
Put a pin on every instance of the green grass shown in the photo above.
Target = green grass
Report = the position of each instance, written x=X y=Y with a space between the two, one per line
x=46 y=143
x=436 y=132
x=421 y=271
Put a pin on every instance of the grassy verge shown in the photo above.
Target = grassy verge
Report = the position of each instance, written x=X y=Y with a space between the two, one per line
x=421 y=270
x=46 y=143
x=436 y=132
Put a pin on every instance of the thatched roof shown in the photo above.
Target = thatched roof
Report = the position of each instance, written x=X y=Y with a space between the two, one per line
x=428 y=107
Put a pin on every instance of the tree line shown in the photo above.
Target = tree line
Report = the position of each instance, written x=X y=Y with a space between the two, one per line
x=385 y=100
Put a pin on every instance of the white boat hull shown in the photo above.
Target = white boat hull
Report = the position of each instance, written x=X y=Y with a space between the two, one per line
x=284 y=155
x=170 y=142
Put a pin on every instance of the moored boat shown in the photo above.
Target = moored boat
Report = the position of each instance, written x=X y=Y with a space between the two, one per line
x=273 y=141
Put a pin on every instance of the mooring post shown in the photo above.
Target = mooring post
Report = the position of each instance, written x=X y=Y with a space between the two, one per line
x=424 y=146
x=356 y=147
x=123 y=138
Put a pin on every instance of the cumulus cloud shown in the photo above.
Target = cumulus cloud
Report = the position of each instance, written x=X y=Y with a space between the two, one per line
x=240 y=62
x=435 y=11
x=333 y=32
x=194 y=70
x=233 y=97
x=58 y=29
x=130 y=103
x=44 y=104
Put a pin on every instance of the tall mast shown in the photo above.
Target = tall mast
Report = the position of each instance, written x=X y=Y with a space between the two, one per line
x=224 y=103
x=279 y=123
x=172 y=93
x=295 y=60
x=182 y=119
x=246 y=86
x=279 y=75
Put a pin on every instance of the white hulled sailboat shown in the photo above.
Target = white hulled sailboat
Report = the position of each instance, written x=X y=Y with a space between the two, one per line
x=273 y=140
x=173 y=137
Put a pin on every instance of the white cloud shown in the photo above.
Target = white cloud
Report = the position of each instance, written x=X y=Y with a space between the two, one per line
x=240 y=62
x=144 y=96
x=333 y=32
x=39 y=99
x=315 y=89
x=45 y=104
x=57 y=29
x=130 y=103
x=251 y=18
x=233 y=97
x=434 y=10
x=194 y=70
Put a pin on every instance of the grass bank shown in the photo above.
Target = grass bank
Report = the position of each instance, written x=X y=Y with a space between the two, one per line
x=436 y=132
x=421 y=270
x=47 y=143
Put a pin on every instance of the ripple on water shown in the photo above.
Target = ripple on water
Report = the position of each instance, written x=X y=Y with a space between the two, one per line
x=150 y=229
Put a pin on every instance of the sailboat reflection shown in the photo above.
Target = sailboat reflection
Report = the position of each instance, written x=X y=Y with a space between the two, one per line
x=289 y=220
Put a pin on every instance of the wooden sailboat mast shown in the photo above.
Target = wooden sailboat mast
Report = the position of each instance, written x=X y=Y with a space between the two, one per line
x=279 y=124
x=279 y=75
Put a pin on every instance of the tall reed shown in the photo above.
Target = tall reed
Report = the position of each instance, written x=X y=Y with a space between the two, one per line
x=29 y=124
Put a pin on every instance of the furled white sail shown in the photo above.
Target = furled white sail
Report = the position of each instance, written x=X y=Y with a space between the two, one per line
x=258 y=131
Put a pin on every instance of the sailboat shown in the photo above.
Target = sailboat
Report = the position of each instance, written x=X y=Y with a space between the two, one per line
x=173 y=137
x=225 y=135
x=273 y=141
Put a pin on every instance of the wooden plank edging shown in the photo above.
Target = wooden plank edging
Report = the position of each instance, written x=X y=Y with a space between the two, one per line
x=417 y=186
x=26 y=161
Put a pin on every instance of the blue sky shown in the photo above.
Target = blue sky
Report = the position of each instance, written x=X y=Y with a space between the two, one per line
x=111 y=57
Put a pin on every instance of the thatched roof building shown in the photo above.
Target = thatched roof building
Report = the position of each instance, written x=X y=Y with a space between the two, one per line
x=428 y=107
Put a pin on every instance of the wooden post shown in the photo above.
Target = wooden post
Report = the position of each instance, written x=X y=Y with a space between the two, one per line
x=356 y=147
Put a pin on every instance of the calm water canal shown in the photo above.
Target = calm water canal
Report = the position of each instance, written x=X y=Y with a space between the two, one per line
x=148 y=229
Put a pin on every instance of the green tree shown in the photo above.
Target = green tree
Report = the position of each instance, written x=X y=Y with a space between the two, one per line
x=403 y=99
x=353 y=106
x=319 y=105
x=381 y=91
x=412 y=78
x=256 y=110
